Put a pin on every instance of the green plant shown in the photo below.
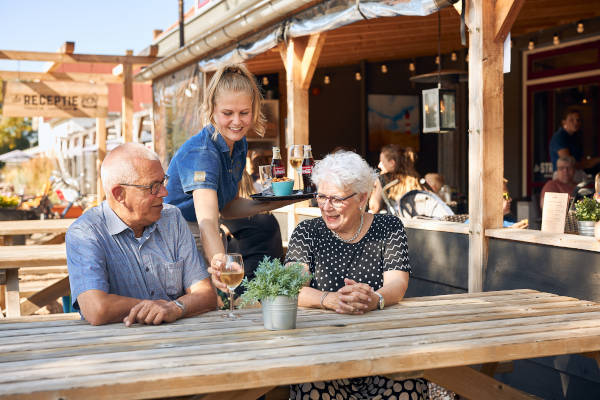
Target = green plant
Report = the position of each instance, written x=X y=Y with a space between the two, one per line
x=272 y=279
x=587 y=209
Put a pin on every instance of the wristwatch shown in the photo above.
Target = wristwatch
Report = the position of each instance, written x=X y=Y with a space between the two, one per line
x=180 y=305
x=381 y=301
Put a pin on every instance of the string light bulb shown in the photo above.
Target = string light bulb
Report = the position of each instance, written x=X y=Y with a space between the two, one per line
x=411 y=67
x=384 y=69
x=358 y=76
x=453 y=56
x=437 y=60
x=580 y=27
x=467 y=57
x=265 y=80
x=555 y=39
x=327 y=79
x=531 y=44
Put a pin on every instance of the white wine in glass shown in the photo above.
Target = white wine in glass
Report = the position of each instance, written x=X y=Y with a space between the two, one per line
x=295 y=160
x=232 y=276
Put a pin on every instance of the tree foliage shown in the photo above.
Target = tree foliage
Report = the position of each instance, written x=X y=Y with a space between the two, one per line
x=15 y=132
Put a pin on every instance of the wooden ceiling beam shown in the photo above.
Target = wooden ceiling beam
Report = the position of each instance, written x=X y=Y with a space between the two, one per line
x=506 y=12
x=59 y=76
x=75 y=58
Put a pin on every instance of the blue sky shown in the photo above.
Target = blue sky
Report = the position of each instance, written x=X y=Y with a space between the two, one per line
x=96 y=27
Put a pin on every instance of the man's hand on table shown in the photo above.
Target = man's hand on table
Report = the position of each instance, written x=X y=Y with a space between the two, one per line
x=153 y=312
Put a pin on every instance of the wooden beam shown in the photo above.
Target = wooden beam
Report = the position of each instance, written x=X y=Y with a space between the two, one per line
x=486 y=135
x=506 y=14
x=101 y=144
x=59 y=76
x=66 y=48
x=75 y=58
x=127 y=102
x=45 y=296
x=310 y=58
x=472 y=384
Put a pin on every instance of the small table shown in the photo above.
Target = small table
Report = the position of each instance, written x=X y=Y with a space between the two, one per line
x=12 y=258
x=27 y=227
x=436 y=337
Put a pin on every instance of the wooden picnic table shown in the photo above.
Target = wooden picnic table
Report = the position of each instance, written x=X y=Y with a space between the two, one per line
x=27 y=227
x=12 y=258
x=436 y=337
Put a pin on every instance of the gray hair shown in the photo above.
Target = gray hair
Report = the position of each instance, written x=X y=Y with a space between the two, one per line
x=120 y=165
x=346 y=170
x=567 y=159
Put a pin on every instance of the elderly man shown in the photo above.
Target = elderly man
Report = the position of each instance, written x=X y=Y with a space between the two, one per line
x=133 y=258
x=563 y=182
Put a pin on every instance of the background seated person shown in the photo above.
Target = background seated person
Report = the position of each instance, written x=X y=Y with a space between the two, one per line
x=508 y=220
x=133 y=258
x=359 y=262
x=563 y=182
x=396 y=164
x=435 y=181
x=566 y=141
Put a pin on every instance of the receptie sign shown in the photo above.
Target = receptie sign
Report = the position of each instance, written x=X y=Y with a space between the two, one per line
x=55 y=99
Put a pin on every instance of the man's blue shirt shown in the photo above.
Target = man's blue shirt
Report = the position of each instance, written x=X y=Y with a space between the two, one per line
x=103 y=254
x=562 y=140
x=204 y=163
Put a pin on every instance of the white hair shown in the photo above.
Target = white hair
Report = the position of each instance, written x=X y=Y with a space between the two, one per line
x=120 y=165
x=346 y=170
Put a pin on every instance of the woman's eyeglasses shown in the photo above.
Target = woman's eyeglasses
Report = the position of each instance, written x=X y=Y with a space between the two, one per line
x=336 y=202
x=154 y=187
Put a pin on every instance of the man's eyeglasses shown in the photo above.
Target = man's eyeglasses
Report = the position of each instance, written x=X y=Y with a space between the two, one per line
x=506 y=196
x=336 y=202
x=154 y=187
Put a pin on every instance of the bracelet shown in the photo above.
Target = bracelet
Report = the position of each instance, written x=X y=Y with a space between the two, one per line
x=323 y=299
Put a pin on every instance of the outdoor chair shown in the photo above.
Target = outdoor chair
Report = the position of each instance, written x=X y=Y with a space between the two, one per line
x=421 y=203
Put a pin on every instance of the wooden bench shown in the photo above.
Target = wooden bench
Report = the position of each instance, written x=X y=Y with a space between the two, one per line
x=13 y=258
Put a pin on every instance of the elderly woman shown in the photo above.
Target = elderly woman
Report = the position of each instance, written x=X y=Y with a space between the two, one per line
x=359 y=262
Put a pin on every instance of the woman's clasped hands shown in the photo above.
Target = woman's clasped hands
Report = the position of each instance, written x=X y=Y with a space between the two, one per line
x=354 y=298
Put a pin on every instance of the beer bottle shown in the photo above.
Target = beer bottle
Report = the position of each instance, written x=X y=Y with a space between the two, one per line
x=277 y=164
x=307 y=166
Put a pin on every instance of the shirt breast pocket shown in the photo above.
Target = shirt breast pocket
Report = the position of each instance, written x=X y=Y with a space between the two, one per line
x=172 y=277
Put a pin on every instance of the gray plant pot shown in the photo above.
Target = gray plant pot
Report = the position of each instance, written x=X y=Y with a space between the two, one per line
x=279 y=313
x=586 y=228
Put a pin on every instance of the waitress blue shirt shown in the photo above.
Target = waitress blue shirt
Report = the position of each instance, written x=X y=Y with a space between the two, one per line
x=204 y=163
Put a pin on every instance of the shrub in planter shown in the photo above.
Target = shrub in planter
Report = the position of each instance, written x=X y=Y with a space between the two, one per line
x=277 y=287
x=587 y=211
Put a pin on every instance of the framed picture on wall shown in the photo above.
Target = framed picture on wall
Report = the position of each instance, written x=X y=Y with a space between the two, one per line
x=393 y=119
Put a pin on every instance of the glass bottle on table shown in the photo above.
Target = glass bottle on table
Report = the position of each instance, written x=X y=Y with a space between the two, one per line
x=278 y=170
x=307 y=166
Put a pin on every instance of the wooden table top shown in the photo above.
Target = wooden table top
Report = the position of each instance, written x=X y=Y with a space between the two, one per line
x=27 y=227
x=209 y=354
x=32 y=256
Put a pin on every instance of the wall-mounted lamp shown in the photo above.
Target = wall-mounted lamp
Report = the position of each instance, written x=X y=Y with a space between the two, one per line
x=411 y=67
x=580 y=27
x=531 y=44
x=357 y=76
x=556 y=39
x=265 y=80
x=384 y=69
x=453 y=56
x=327 y=79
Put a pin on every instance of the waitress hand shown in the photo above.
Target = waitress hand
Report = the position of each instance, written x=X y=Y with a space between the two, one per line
x=217 y=264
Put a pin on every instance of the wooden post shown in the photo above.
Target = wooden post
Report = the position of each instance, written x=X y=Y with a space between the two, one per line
x=300 y=57
x=101 y=144
x=127 y=104
x=11 y=293
x=489 y=23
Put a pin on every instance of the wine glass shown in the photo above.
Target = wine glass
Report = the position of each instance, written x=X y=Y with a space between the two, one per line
x=265 y=173
x=295 y=158
x=232 y=276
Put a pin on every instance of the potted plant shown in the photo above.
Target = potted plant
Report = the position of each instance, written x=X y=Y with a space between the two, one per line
x=276 y=286
x=587 y=211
